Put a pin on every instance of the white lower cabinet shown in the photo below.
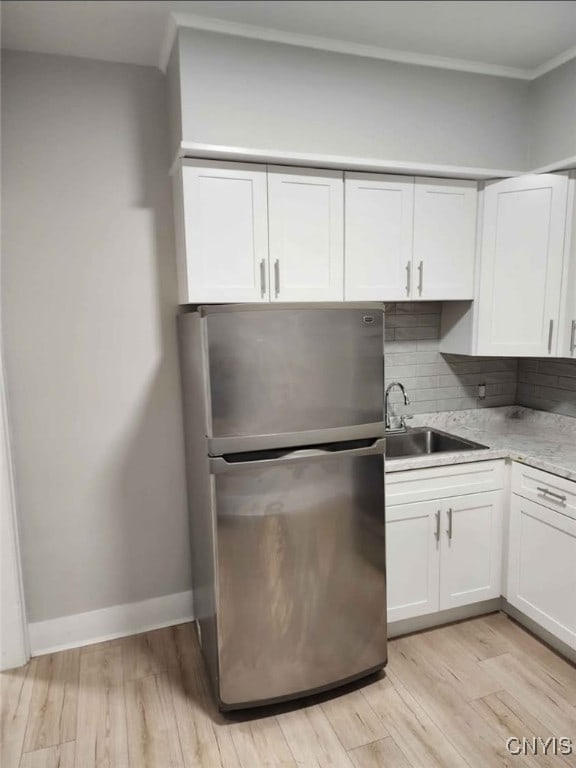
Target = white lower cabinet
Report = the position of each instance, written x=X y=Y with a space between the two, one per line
x=542 y=567
x=471 y=550
x=443 y=553
x=412 y=562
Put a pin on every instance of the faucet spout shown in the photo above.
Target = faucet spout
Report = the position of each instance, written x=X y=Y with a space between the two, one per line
x=389 y=388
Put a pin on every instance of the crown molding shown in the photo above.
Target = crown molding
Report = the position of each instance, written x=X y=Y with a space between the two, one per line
x=566 y=164
x=192 y=21
x=168 y=40
x=554 y=63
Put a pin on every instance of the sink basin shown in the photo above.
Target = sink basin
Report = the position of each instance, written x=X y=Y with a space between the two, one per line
x=422 y=441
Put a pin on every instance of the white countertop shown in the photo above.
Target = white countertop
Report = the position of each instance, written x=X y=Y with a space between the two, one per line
x=543 y=440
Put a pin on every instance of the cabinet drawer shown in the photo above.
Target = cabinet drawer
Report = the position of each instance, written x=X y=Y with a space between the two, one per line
x=441 y=482
x=544 y=488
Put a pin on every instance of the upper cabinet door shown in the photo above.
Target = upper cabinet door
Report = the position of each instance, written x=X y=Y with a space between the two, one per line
x=444 y=238
x=224 y=253
x=306 y=220
x=567 y=328
x=379 y=219
x=521 y=266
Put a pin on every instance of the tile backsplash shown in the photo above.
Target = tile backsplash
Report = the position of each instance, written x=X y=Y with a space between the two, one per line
x=437 y=382
x=547 y=385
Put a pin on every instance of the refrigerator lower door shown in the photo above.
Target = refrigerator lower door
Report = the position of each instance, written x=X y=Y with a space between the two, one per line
x=300 y=570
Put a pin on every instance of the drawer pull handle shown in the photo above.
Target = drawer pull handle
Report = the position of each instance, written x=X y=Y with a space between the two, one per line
x=548 y=492
x=437 y=532
x=449 y=531
x=408 y=278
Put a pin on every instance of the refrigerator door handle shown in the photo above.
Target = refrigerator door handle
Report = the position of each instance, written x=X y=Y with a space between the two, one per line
x=218 y=464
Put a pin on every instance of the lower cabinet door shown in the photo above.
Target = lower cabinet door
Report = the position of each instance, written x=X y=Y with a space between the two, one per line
x=412 y=560
x=542 y=567
x=471 y=549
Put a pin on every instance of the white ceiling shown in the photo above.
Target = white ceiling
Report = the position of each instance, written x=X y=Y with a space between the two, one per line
x=511 y=38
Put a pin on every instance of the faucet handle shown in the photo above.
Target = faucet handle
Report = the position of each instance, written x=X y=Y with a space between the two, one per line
x=404 y=418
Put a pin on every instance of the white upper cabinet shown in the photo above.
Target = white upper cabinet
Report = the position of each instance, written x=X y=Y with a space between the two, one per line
x=222 y=227
x=444 y=238
x=409 y=239
x=521 y=266
x=567 y=327
x=306 y=223
x=379 y=224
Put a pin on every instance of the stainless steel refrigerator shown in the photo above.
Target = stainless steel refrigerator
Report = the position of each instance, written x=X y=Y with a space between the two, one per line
x=285 y=457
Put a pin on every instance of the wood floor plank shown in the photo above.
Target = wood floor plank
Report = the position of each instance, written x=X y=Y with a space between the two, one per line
x=53 y=709
x=102 y=735
x=532 y=689
x=153 y=738
x=481 y=639
x=261 y=742
x=146 y=702
x=383 y=753
x=205 y=735
x=353 y=720
x=522 y=644
x=60 y=756
x=456 y=663
x=146 y=654
x=422 y=741
x=476 y=742
x=312 y=740
x=16 y=688
x=510 y=719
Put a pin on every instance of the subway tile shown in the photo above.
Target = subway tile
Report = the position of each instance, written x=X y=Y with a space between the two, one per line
x=407 y=321
x=564 y=382
x=417 y=333
x=396 y=347
x=399 y=371
x=441 y=393
x=419 y=307
x=427 y=345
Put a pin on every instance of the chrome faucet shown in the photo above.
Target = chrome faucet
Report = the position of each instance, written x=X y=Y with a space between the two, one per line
x=403 y=418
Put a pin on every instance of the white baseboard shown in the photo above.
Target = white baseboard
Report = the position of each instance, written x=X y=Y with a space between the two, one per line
x=109 y=623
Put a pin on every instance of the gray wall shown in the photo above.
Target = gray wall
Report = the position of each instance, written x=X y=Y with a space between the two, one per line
x=437 y=382
x=89 y=294
x=253 y=93
x=553 y=116
x=548 y=385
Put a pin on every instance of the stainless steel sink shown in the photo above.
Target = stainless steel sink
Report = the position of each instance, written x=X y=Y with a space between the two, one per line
x=422 y=441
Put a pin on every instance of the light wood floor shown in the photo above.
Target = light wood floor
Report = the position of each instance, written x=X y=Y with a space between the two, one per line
x=450 y=699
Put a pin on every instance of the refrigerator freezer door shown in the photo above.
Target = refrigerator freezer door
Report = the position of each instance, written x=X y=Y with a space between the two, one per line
x=292 y=370
x=301 y=598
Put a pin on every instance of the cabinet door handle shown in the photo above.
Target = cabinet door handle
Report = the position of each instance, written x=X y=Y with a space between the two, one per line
x=421 y=277
x=262 y=278
x=550 y=335
x=437 y=531
x=548 y=492
x=573 y=337
x=408 y=277
x=277 y=277
x=450 y=524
